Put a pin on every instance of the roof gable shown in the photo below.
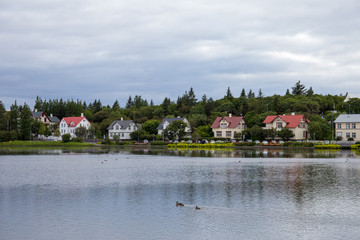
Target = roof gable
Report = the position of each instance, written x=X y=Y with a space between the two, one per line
x=169 y=121
x=73 y=121
x=292 y=121
x=348 y=118
x=233 y=122
x=124 y=124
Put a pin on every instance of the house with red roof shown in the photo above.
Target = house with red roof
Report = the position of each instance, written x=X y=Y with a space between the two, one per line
x=226 y=127
x=298 y=124
x=69 y=124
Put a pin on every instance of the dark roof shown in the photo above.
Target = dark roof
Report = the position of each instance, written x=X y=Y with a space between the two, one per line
x=169 y=120
x=54 y=119
x=123 y=124
x=233 y=122
x=36 y=114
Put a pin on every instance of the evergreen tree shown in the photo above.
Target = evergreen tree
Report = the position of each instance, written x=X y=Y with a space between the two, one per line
x=260 y=95
x=14 y=117
x=151 y=103
x=25 y=123
x=228 y=95
x=116 y=106
x=38 y=104
x=298 y=89
x=287 y=92
x=310 y=92
x=243 y=94
x=3 y=120
x=251 y=94
x=129 y=103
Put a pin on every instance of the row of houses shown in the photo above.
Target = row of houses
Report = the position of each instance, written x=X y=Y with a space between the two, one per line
x=346 y=125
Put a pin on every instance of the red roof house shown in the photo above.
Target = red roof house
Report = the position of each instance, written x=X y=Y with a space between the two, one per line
x=225 y=127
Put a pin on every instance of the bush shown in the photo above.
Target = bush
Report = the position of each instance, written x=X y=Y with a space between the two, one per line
x=239 y=144
x=159 y=143
x=107 y=141
x=350 y=139
x=6 y=136
x=125 y=143
x=298 y=144
x=328 y=146
x=77 y=139
x=66 y=137
x=339 y=138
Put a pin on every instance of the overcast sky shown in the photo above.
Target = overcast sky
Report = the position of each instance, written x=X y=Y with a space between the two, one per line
x=108 y=50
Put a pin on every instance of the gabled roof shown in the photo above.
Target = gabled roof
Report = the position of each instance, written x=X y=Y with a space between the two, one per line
x=54 y=119
x=37 y=114
x=124 y=124
x=73 y=121
x=169 y=120
x=292 y=121
x=233 y=122
x=348 y=118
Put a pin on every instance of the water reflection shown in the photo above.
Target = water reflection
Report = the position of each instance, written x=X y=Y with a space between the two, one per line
x=133 y=197
x=148 y=150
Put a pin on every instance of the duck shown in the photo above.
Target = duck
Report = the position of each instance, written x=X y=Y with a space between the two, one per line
x=197 y=208
x=179 y=204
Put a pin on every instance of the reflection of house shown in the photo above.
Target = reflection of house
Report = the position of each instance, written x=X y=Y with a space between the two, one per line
x=298 y=124
x=69 y=124
x=122 y=128
x=42 y=117
x=226 y=127
x=348 y=126
x=166 y=121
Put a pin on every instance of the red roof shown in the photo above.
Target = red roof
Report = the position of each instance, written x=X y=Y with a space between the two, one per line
x=73 y=121
x=233 y=122
x=291 y=120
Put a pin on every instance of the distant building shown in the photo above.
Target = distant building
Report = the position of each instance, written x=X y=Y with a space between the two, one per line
x=226 y=127
x=167 y=121
x=298 y=124
x=44 y=118
x=348 y=126
x=122 y=128
x=69 y=124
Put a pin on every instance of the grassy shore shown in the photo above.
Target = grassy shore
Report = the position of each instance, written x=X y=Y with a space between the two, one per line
x=42 y=143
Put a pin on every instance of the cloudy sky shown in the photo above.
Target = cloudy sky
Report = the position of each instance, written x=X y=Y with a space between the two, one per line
x=110 y=49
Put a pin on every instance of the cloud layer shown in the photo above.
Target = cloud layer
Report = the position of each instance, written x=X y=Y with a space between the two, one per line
x=112 y=49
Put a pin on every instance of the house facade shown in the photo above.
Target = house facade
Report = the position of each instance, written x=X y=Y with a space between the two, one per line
x=298 y=124
x=69 y=124
x=226 y=127
x=348 y=126
x=167 y=121
x=122 y=128
x=44 y=118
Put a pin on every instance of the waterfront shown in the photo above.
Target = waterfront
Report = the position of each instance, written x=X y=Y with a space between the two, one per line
x=131 y=193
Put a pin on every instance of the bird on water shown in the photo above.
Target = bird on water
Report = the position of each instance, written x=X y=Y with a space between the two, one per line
x=197 y=208
x=179 y=204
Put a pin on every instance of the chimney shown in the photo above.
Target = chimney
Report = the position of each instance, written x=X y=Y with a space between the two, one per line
x=51 y=115
x=122 y=119
x=178 y=117
x=35 y=110
x=230 y=115
x=82 y=114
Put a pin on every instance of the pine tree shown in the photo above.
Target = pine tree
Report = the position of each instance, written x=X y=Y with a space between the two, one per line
x=228 y=95
x=298 y=89
x=14 y=117
x=129 y=103
x=25 y=123
x=260 y=95
x=243 y=94
x=116 y=106
x=310 y=92
x=251 y=94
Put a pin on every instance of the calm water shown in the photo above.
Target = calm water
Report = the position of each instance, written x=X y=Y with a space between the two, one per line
x=62 y=194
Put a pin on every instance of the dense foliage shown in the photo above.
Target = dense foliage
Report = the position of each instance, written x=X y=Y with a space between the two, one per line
x=201 y=112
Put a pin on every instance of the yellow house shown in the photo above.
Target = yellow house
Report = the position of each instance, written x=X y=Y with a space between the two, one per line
x=226 y=127
x=348 y=126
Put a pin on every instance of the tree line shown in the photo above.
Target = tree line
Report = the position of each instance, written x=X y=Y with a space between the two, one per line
x=200 y=111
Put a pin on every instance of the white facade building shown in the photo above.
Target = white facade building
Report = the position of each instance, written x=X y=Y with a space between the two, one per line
x=122 y=128
x=69 y=124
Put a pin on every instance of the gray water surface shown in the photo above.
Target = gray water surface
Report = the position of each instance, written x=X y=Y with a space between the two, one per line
x=127 y=196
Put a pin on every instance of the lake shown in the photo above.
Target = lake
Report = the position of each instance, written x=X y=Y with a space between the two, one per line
x=130 y=193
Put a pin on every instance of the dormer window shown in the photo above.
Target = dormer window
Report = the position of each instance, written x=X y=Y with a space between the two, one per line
x=279 y=125
x=223 y=125
x=116 y=127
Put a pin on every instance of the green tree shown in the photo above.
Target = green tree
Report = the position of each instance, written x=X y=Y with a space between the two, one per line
x=175 y=130
x=228 y=95
x=66 y=137
x=150 y=126
x=204 y=131
x=298 y=89
x=81 y=132
x=14 y=117
x=286 y=134
x=25 y=123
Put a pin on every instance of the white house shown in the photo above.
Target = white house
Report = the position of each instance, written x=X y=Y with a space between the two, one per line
x=122 y=128
x=167 y=121
x=348 y=126
x=69 y=124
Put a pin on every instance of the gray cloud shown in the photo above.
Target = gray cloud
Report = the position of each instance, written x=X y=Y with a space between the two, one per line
x=112 y=49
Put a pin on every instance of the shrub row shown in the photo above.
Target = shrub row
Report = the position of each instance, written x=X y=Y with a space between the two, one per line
x=328 y=146
x=298 y=144
x=198 y=145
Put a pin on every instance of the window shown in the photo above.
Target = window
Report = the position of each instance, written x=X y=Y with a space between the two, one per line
x=347 y=135
x=304 y=134
x=218 y=134
x=223 y=125
x=228 y=133
x=279 y=125
x=339 y=125
x=348 y=126
x=122 y=134
x=339 y=134
x=116 y=127
x=353 y=135
x=301 y=125
x=354 y=125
